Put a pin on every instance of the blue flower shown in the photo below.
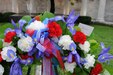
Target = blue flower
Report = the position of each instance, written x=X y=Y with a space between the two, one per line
x=104 y=55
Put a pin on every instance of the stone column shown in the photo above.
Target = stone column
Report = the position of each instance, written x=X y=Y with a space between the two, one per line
x=83 y=11
x=101 y=10
x=66 y=7
x=15 y=6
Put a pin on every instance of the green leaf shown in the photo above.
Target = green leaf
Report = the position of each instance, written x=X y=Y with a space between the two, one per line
x=46 y=15
x=95 y=48
x=64 y=28
x=77 y=28
x=27 y=18
x=2 y=35
x=1 y=43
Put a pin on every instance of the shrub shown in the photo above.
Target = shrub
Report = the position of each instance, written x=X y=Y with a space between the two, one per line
x=4 y=17
x=84 y=19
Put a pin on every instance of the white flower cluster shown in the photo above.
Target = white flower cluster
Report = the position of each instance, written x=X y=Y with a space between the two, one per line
x=65 y=41
x=85 y=47
x=36 y=25
x=70 y=66
x=5 y=44
x=1 y=69
x=25 y=44
x=9 y=53
x=89 y=61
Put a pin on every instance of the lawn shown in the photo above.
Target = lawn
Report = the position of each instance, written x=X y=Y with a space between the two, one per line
x=101 y=33
x=105 y=34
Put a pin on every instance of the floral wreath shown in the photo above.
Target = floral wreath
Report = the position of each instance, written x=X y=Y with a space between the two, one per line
x=55 y=42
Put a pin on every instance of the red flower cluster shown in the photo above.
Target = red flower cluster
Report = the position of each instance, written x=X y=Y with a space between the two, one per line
x=96 y=70
x=54 y=29
x=24 y=57
x=9 y=36
x=79 y=37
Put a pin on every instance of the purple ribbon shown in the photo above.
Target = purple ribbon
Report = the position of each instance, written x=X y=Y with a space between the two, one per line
x=16 y=68
x=47 y=67
x=40 y=47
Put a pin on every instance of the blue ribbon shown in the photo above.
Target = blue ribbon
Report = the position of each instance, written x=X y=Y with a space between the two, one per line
x=16 y=68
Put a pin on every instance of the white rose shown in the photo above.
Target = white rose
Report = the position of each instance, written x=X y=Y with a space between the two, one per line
x=89 y=61
x=70 y=66
x=25 y=44
x=65 y=41
x=9 y=53
x=36 y=25
x=85 y=47
x=1 y=69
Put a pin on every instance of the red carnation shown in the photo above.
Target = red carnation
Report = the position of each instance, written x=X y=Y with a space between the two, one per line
x=9 y=36
x=96 y=70
x=79 y=37
x=0 y=57
x=54 y=29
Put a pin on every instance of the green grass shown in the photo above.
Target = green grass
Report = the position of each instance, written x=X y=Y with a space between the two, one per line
x=105 y=34
x=101 y=33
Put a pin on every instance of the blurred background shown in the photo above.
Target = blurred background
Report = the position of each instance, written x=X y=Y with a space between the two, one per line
x=98 y=10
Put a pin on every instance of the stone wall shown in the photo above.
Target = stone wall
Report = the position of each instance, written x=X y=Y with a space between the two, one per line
x=24 y=6
x=61 y=7
x=93 y=8
x=5 y=6
x=109 y=11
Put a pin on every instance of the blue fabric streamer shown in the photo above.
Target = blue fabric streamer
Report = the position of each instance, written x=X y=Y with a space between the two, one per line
x=16 y=68
x=46 y=21
x=40 y=47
